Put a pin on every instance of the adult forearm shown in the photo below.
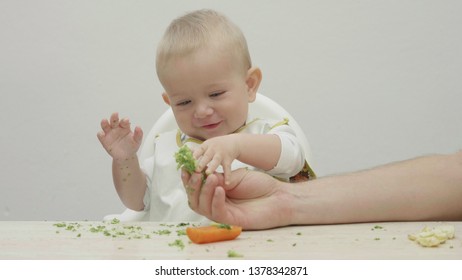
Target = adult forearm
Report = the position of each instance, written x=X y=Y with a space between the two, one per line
x=130 y=182
x=427 y=188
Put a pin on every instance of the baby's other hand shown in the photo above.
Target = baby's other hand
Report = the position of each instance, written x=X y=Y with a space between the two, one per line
x=117 y=137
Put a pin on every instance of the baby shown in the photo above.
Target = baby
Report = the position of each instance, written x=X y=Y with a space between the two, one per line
x=204 y=66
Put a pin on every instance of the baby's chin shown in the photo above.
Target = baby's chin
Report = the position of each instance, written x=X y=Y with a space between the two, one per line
x=206 y=136
x=213 y=135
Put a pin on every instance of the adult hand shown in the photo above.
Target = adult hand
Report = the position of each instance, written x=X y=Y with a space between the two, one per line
x=253 y=200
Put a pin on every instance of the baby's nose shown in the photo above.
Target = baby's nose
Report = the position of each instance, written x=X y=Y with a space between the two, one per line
x=202 y=111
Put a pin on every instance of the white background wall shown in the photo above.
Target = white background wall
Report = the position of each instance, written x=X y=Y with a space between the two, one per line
x=370 y=81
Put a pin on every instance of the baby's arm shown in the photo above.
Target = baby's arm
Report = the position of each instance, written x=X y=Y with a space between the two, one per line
x=259 y=150
x=122 y=144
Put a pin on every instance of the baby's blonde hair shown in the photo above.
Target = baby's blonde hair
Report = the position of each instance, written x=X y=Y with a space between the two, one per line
x=197 y=29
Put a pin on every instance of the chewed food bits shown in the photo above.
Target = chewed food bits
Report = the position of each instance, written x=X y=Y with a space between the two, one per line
x=432 y=237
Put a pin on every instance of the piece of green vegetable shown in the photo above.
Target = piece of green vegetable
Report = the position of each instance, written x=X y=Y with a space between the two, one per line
x=233 y=254
x=182 y=224
x=163 y=232
x=226 y=226
x=181 y=232
x=184 y=159
x=177 y=243
x=63 y=224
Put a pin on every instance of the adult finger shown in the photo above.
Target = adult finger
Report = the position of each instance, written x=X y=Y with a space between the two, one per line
x=206 y=195
x=193 y=186
x=218 y=207
x=185 y=176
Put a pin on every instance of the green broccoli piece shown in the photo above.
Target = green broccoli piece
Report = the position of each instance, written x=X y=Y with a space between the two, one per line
x=177 y=243
x=184 y=158
x=234 y=254
x=225 y=226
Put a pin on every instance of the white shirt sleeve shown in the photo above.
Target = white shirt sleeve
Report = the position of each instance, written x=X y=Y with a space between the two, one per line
x=292 y=158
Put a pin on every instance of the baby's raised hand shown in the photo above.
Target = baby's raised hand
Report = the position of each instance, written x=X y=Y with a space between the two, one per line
x=118 y=139
x=221 y=150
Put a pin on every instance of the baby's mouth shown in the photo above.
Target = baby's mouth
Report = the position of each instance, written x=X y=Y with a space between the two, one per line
x=212 y=125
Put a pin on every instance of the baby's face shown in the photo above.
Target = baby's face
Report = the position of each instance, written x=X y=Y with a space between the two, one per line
x=208 y=93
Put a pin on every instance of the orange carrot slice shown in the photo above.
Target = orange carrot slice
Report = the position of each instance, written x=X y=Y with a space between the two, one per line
x=213 y=233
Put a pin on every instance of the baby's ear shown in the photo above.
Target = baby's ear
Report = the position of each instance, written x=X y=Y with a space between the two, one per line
x=165 y=98
x=253 y=80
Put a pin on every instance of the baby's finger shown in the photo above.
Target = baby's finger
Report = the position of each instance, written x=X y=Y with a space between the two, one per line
x=227 y=172
x=100 y=136
x=138 y=135
x=105 y=126
x=203 y=161
x=198 y=152
x=124 y=123
x=114 y=120
x=213 y=164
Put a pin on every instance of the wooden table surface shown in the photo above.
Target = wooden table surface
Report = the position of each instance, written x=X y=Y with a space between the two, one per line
x=166 y=241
